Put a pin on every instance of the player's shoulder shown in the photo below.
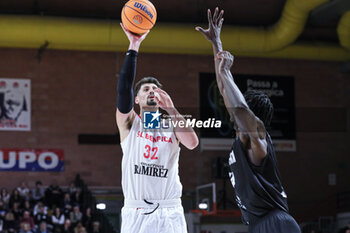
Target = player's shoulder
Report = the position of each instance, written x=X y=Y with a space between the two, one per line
x=125 y=125
x=133 y=118
x=125 y=120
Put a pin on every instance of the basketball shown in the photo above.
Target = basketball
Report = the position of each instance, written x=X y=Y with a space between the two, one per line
x=139 y=16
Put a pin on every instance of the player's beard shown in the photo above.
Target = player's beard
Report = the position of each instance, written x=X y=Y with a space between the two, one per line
x=151 y=102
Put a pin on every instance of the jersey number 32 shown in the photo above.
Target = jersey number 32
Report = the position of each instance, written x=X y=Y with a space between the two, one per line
x=150 y=151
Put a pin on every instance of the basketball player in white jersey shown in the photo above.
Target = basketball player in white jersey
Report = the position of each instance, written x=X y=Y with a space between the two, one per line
x=150 y=180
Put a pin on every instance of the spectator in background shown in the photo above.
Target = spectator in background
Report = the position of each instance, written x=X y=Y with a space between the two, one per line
x=87 y=218
x=27 y=207
x=67 y=227
x=75 y=216
x=11 y=230
x=79 y=228
x=82 y=230
x=16 y=210
x=95 y=227
x=43 y=228
x=25 y=228
x=41 y=214
x=66 y=200
x=53 y=195
x=58 y=218
x=38 y=192
x=77 y=197
x=71 y=189
x=2 y=210
x=38 y=207
x=67 y=210
x=26 y=218
x=15 y=197
x=10 y=222
x=23 y=189
x=5 y=197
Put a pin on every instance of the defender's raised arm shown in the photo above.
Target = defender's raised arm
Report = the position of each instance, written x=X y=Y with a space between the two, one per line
x=245 y=120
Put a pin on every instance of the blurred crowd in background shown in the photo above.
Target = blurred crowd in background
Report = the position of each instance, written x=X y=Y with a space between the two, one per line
x=45 y=209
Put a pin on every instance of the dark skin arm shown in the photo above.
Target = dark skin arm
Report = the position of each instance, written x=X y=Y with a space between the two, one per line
x=250 y=129
x=213 y=34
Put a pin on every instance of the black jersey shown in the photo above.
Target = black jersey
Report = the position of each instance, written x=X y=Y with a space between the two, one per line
x=258 y=188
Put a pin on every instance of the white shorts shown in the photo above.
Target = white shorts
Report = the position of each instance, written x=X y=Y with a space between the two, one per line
x=165 y=216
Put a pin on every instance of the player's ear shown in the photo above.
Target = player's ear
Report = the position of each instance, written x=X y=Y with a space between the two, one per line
x=137 y=100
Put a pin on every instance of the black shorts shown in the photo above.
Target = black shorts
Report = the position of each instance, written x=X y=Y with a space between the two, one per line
x=276 y=221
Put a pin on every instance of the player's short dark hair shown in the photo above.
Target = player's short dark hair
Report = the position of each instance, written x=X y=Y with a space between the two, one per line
x=146 y=80
x=260 y=104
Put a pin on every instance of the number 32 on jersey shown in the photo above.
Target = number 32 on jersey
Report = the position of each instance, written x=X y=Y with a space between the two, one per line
x=150 y=151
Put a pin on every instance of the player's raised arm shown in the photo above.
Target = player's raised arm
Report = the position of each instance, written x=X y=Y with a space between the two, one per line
x=244 y=118
x=125 y=97
x=213 y=33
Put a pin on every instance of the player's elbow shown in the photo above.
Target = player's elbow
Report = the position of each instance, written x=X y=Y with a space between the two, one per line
x=242 y=112
x=193 y=143
x=192 y=146
x=240 y=109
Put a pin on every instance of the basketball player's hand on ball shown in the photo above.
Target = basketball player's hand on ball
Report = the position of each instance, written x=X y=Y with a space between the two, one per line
x=135 y=39
x=225 y=60
x=215 y=23
x=163 y=99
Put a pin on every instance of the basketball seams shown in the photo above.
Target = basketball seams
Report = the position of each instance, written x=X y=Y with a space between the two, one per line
x=140 y=14
x=150 y=6
x=133 y=23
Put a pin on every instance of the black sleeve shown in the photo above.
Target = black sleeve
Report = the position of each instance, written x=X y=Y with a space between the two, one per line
x=125 y=94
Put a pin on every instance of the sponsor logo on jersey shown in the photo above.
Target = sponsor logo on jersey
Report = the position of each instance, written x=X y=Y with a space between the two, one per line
x=144 y=9
x=151 y=170
x=150 y=137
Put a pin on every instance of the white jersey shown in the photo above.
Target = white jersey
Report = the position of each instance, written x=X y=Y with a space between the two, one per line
x=150 y=164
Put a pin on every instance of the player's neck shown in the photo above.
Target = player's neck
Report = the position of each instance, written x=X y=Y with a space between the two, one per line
x=148 y=109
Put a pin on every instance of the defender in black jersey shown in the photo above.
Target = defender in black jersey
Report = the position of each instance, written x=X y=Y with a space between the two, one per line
x=254 y=171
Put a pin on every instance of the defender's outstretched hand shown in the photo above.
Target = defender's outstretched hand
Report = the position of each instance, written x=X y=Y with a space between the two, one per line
x=215 y=23
x=135 y=39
